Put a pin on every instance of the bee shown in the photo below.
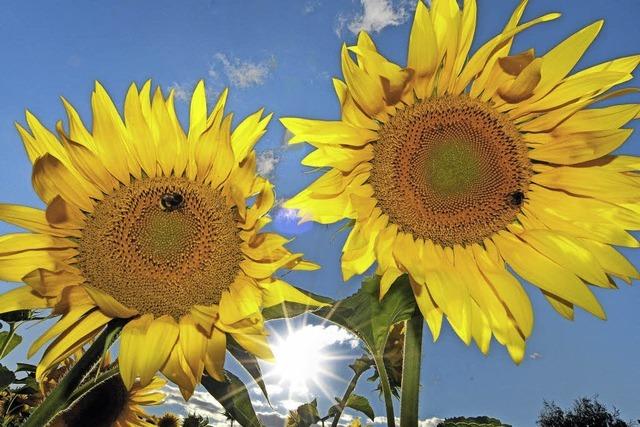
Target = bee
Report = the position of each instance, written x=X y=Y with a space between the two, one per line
x=515 y=199
x=171 y=201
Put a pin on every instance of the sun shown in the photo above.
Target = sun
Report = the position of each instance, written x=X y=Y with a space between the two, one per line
x=303 y=358
x=299 y=360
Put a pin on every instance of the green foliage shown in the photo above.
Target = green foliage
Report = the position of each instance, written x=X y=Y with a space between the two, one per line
x=248 y=362
x=8 y=341
x=304 y=416
x=472 y=422
x=195 y=420
x=234 y=398
x=585 y=412
x=16 y=316
x=357 y=402
x=7 y=377
x=372 y=319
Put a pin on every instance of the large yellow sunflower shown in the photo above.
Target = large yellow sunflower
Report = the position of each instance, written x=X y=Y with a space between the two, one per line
x=455 y=167
x=146 y=222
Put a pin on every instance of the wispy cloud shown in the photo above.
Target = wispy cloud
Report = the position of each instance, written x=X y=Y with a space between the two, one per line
x=266 y=162
x=311 y=6
x=242 y=73
x=183 y=91
x=535 y=356
x=375 y=16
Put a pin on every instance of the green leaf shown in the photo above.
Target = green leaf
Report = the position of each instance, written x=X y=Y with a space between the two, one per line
x=25 y=367
x=248 y=362
x=6 y=377
x=234 y=398
x=288 y=309
x=360 y=403
x=8 y=342
x=16 y=316
x=305 y=416
x=368 y=317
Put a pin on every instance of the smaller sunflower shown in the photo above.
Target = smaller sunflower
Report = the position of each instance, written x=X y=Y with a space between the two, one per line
x=110 y=404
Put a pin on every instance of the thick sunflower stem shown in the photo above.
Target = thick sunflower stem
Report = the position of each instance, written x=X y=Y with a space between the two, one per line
x=61 y=396
x=410 y=390
x=386 y=390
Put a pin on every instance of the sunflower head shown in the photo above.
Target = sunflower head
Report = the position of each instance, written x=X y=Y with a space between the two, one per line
x=168 y=420
x=147 y=221
x=461 y=169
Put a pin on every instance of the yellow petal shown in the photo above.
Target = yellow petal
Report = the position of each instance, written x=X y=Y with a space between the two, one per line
x=524 y=84
x=109 y=305
x=142 y=140
x=366 y=91
x=194 y=345
x=597 y=119
x=131 y=341
x=51 y=178
x=158 y=336
x=178 y=371
x=21 y=298
x=257 y=345
x=31 y=219
x=65 y=215
x=14 y=267
x=581 y=147
x=327 y=132
x=215 y=354
x=431 y=313
x=590 y=182
x=110 y=137
x=71 y=340
x=545 y=273
x=278 y=291
x=560 y=60
x=164 y=133
x=51 y=284
x=422 y=55
x=242 y=300
x=247 y=133
x=611 y=260
x=64 y=323
x=568 y=252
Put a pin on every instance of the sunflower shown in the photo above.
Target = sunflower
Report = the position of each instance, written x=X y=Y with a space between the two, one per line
x=111 y=404
x=462 y=170
x=147 y=222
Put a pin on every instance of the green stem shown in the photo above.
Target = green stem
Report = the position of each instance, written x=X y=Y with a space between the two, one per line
x=386 y=390
x=59 y=398
x=409 y=403
x=12 y=332
x=345 y=397
x=87 y=386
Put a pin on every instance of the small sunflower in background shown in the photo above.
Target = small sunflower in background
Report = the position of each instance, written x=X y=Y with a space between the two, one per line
x=110 y=404
x=146 y=221
x=458 y=168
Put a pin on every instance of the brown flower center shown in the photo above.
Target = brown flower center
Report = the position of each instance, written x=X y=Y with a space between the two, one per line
x=161 y=246
x=451 y=170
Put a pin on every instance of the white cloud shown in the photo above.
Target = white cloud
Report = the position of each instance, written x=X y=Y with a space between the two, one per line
x=181 y=91
x=266 y=162
x=290 y=404
x=311 y=6
x=429 y=422
x=201 y=403
x=535 y=356
x=241 y=73
x=375 y=16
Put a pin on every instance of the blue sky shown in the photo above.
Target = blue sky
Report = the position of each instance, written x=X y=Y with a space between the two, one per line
x=282 y=55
